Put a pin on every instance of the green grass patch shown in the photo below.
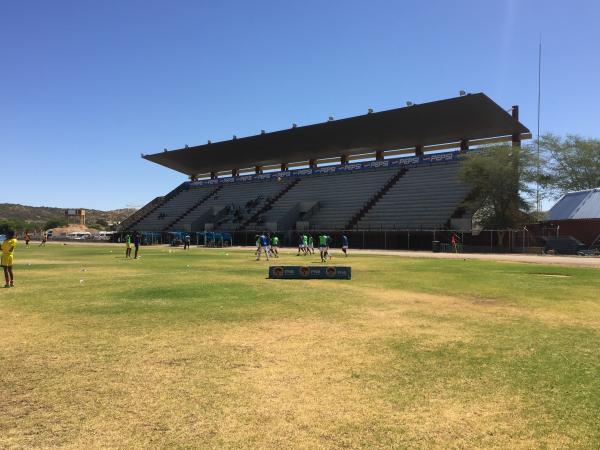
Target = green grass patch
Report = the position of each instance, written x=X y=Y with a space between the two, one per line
x=200 y=349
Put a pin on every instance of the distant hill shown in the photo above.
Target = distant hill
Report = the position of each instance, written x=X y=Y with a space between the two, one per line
x=42 y=214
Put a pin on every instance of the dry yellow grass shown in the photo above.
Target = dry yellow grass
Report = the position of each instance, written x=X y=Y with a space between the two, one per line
x=80 y=371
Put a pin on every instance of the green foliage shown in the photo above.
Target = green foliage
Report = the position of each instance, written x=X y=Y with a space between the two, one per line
x=570 y=164
x=42 y=214
x=99 y=224
x=501 y=177
x=55 y=223
x=16 y=225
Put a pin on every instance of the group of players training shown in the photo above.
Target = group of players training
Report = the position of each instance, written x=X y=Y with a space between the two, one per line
x=306 y=246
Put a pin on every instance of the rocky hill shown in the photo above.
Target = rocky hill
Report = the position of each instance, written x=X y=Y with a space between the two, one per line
x=42 y=214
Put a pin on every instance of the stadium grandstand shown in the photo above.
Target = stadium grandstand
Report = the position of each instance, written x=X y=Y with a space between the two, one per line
x=389 y=170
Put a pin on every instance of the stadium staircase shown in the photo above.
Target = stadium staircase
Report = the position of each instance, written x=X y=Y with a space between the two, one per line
x=146 y=210
x=373 y=200
x=140 y=213
x=268 y=204
x=423 y=199
x=194 y=206
x=461 y=210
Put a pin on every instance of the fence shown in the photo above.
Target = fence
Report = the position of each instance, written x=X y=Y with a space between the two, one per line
x=485 y=241
x=488 y=241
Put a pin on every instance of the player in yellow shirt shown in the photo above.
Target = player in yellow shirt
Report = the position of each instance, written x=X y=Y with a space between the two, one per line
x=128 y=246
x=8 y=248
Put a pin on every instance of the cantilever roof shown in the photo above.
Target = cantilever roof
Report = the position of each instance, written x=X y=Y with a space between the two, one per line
x=474 y=116
x=577 y=205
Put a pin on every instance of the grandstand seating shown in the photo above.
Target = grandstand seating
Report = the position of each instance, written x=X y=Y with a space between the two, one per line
x=339 y=196
x=166 y=212
x=425 y=197
x=231 y=206
x=422 y=197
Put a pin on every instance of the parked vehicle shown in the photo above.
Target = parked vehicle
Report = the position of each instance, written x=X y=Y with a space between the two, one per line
x=103 y=235
x=79 y=235
x=564 y=245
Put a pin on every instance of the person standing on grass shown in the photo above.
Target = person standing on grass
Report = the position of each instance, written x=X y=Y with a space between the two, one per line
x=27 y=238
x=345 y=244
x=275 y=246
x=257 y=252
x=136 y=244
x=323 y=242
x=6 y=261
x=186 y=242
x=44 y=239
x=311 y=245
x=128 y=246
x=264 y=247
x=300 y=249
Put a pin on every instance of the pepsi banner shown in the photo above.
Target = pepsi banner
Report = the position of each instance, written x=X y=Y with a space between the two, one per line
x=351 y=167
x=310 y=272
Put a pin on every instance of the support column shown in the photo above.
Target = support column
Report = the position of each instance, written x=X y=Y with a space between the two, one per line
x=258 y=170
x=344 y=159
x=213 y=175
x=379 y=155
x=193 y=177
x=516 y=137
x=516 y=144
x=312 y=163
x=464 y=145
x=284 y=167
x=235 y=172
x=419 y=150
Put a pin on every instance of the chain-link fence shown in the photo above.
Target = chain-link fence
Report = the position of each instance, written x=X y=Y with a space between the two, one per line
x=486 y=241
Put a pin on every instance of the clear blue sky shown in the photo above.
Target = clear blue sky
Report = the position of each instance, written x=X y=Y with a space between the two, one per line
x=86 y=86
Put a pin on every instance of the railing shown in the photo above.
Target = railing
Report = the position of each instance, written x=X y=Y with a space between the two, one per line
x=154 y=205
x=373 y=200
x=270 y=203
x=189 y=210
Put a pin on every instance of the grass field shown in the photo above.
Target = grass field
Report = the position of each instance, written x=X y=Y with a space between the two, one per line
x=199 y=350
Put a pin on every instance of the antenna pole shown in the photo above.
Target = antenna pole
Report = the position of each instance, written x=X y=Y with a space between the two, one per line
x=537 y=190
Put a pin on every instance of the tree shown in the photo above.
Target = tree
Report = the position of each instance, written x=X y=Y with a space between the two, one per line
x=101 y=223
x=16 y=225
x=501 y=178
x=54 y=223
x=570 y=164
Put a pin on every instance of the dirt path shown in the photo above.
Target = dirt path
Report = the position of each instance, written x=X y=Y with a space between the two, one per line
x=573 y=261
